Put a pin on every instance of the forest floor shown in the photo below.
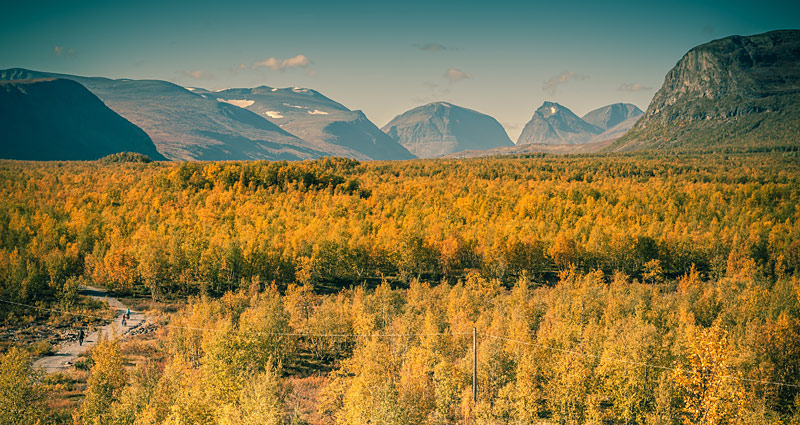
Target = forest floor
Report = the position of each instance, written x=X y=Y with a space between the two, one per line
x=67 y=353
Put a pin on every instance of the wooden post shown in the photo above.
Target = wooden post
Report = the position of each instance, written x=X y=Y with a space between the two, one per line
x=474 y=365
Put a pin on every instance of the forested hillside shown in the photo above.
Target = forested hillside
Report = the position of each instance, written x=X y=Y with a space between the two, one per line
x=206 y=227
x=619 y=289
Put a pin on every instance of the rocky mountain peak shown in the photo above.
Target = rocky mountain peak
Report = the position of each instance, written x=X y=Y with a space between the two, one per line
x=441 y=128
x=611 y=115
x=748 y=67
x=738 y=89
x=549 y=109
x=556 y=124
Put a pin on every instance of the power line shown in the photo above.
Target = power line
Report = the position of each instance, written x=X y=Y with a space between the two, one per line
x=296 y=334
x=579 y=353
x=55 y=310
x=399 y=335
x=635 y=363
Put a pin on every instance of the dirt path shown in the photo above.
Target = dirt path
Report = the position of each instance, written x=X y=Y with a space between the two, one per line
x=69 y=352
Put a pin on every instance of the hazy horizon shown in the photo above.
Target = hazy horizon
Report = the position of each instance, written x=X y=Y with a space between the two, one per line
x=503 y=61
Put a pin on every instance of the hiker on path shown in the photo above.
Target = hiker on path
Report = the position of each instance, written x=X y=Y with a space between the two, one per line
x=128 y=314
x=80 y=337
x=124 y=323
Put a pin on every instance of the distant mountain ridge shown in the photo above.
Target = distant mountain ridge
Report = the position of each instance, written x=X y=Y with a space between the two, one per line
x=59 y=119
x=441 y=128
x=612 y=115
x=317 y=119
x=196 y=124
x=733 y=91
x=187 y=126
x=554 y=124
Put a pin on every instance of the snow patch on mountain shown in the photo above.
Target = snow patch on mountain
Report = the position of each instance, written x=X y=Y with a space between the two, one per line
x=242 y=103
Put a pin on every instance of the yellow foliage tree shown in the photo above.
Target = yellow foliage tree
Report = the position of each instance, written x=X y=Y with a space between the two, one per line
x=20 y=392
x=712 y=396
x=106 y=381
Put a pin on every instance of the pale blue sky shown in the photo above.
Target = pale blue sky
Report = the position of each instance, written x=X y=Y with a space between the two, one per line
x=387 y=58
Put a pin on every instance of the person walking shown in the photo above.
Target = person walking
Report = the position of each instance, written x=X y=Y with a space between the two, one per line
x=128 y=314
x=80 y=337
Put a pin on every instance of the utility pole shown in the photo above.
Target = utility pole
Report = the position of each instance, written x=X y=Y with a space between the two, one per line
x=474 y=365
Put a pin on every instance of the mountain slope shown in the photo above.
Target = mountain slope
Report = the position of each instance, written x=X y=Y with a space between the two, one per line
x=442 y=128
x=553 y=124
x=612 y=115
x=187 y=126
x=735 y=91
x=316 y=119
x=57 y=119
x=618 y=130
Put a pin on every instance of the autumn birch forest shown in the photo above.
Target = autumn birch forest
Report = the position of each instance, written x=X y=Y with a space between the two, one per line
x=649 y=288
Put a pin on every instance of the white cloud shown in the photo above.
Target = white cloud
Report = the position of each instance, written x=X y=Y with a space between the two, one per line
x=632 y=87
x=63 y=51
x=269 y=63
x=198 y=74
x=299 y=61
x=551 y=85
x=455 y=75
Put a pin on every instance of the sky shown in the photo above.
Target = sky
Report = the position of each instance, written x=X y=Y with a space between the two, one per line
x=501 y=58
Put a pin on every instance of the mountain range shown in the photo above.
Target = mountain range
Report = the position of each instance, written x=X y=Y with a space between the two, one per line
x=191 y=124
x=57 y=119
x=309 y=115
x=187 y=123
x=441 y=128
x=554 y=124
x=732 y=92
